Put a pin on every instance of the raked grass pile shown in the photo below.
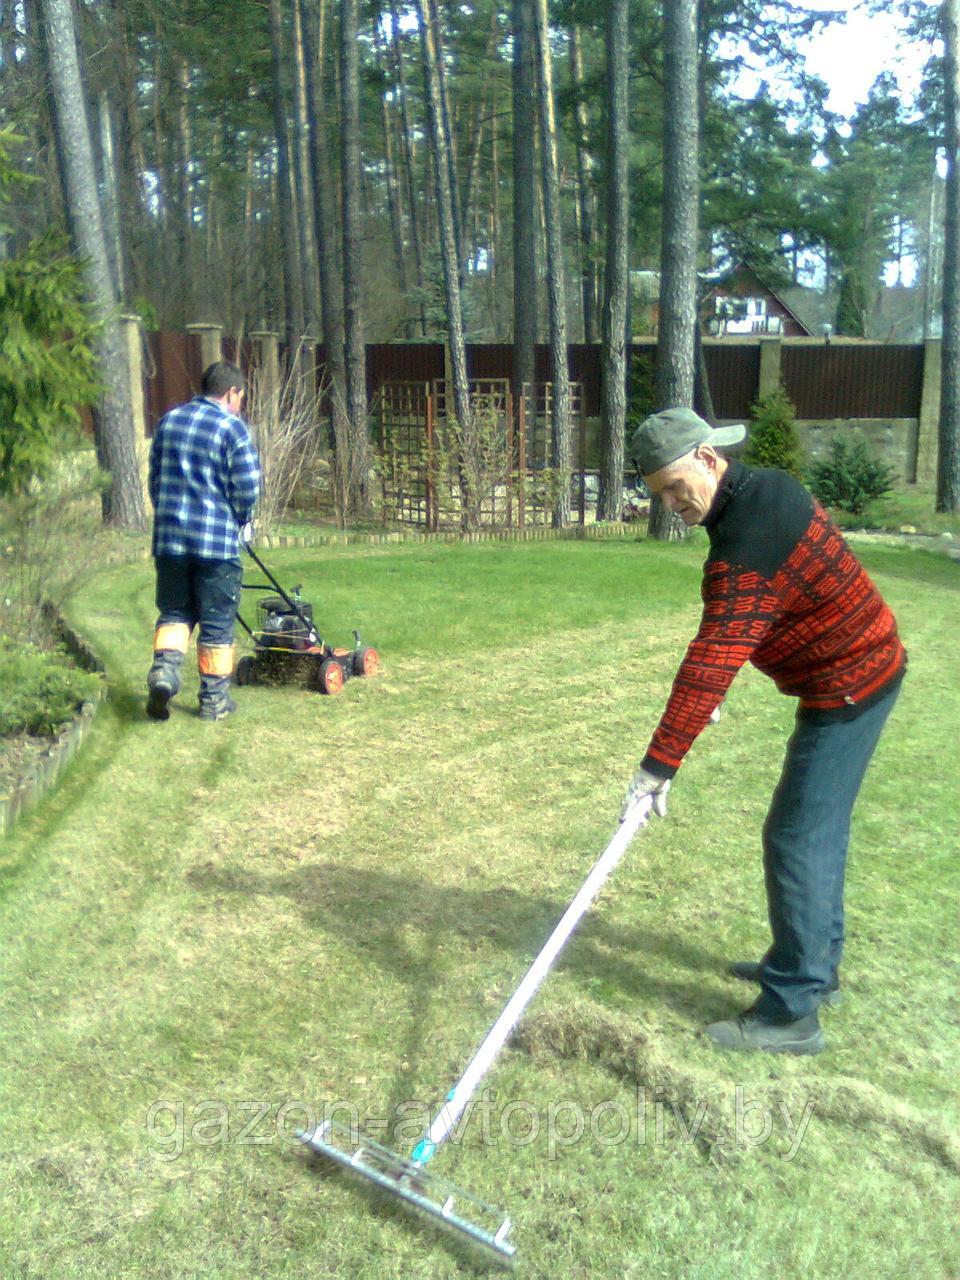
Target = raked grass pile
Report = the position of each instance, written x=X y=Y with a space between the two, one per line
x=212 y=934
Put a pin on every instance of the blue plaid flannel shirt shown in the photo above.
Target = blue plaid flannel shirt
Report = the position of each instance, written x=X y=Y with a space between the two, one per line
x=204 y=480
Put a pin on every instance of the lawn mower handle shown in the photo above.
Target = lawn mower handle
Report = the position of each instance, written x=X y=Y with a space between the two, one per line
x=291 y=604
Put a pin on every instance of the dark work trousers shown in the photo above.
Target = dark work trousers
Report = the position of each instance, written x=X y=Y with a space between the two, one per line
x=805 y=838
x=202 y=593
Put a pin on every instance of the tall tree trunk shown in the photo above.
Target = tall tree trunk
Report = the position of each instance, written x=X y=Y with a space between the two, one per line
x=948 y=462
x=250 y=248
x=676 y=358
x=932 y=258
x=110 y=202
x=613 y=354
x=703 y=396
x=326 y=234
x=556 y=292
x=524 y=199
x=468 y=247
x=113 y=419
x=394 y=206
x=131 y=164
x=448 y=132
x=213 y=246
x=26 y=33
x=354 y=348
x=160 y=133
x=406 y=149
x=184 y=160
x=292 y=267
x=304 y=187
x=469 y=212
x=494 y=230
x=439 y=148
x=585 y=184
x=165 y=195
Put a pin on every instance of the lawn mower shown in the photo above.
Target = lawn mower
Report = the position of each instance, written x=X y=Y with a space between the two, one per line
x=287 y=647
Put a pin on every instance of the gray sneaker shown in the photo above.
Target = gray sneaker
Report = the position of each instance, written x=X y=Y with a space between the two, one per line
x=749 y=1032
x=747 y=971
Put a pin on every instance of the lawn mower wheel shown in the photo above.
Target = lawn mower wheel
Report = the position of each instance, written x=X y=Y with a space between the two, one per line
x=366 y=661
x=330 y=677
x=246 y=669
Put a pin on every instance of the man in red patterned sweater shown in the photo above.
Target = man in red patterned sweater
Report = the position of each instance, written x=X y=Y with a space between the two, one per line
x=781 y=589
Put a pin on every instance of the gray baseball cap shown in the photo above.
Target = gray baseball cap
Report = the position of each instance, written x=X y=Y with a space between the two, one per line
x=664 y=437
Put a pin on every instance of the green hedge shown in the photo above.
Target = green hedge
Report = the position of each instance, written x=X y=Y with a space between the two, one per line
x=40 y=690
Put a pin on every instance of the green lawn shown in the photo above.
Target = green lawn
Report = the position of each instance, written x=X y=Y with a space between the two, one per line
x=213 y=933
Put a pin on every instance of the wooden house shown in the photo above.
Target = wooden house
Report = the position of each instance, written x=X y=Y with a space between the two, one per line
x=739 y=304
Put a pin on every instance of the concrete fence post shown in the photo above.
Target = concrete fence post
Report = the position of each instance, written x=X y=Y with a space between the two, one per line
x=132 y=339
x=266 y=363
x=928 y=423
x=768 y=380
x=308 y=362
x=211 y=342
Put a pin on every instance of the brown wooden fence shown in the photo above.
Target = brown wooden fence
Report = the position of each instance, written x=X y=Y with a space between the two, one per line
x=172 y=371
x=824 y=381
x=853 y=381
x=173 y=367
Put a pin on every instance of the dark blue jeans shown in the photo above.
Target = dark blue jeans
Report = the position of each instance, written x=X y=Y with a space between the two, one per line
x=805 y=840
x=202 y=593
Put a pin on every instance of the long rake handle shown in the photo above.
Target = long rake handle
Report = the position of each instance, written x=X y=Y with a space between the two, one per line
x=498 y=1034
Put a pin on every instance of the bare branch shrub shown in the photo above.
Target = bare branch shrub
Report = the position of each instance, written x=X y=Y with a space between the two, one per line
x=469 y=468
x=286 y=428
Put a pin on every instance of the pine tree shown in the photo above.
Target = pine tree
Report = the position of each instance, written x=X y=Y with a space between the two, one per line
x=123 y=504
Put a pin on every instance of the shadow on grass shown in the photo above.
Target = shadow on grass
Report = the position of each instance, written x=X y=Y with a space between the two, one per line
x=374 y=911
x=128 y=705
x=55 y=812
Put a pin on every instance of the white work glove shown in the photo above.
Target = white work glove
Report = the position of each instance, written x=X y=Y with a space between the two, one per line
x=246 y=533
x=643 y=783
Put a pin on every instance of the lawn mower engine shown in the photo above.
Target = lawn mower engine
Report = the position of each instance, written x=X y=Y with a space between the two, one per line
x=283 y=627
x=288 y=649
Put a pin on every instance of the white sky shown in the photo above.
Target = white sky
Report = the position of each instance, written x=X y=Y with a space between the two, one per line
x=849 y=56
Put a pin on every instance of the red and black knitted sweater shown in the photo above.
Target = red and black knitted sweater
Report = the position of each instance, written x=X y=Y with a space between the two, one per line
x=781 y=589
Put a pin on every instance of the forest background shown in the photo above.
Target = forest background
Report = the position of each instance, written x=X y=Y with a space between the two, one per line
x=220 y=158
x=368 y=171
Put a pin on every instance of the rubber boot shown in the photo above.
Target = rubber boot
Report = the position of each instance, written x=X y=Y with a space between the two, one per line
x=163 y=679
x=216 y=664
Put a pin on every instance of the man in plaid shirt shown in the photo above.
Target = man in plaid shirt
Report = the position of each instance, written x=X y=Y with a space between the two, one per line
x=204 y=480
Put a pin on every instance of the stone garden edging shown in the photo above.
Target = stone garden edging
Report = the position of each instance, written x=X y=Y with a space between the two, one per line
x=43 y=775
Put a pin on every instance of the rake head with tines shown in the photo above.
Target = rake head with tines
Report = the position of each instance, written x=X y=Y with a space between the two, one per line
x=454 y=1209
